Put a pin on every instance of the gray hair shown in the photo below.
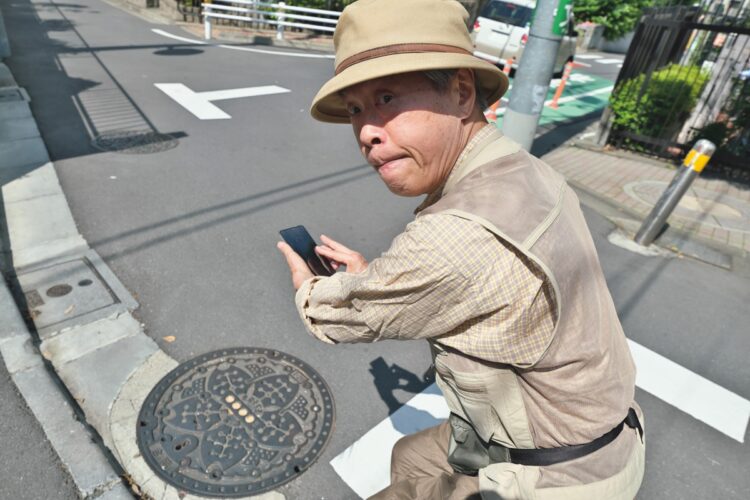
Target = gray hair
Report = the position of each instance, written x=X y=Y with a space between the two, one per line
x=440 y=78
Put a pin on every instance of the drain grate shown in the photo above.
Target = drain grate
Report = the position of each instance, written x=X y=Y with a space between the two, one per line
x=134 y=142
x=235 y=422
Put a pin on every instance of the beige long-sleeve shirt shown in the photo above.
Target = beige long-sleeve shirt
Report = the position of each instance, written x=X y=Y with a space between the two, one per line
x=445 y=278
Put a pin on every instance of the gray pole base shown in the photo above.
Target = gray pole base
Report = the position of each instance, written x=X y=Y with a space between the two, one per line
x=664 y=207
x=521 y=127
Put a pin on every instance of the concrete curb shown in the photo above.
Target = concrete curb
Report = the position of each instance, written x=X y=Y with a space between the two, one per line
x=103 y=364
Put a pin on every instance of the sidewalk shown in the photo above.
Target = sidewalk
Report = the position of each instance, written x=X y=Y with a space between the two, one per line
x=713 y=212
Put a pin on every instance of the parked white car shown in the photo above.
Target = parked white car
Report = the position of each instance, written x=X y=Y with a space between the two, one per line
x=502 y=30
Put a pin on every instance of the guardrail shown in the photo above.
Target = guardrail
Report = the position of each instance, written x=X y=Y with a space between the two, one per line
x=275 y=14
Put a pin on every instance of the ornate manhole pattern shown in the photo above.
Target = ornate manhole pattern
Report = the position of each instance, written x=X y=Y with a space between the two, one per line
x=235 y=422
x=134 y=141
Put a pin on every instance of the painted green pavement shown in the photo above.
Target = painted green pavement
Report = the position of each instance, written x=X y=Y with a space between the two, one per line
x=583 y=94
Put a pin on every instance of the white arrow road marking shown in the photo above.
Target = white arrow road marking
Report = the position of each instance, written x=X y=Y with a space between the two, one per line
x=365 y=465
x=199 y=103
x=608 y=61
x=587 y=56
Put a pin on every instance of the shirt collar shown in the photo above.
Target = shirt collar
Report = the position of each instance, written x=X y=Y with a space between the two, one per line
x=479 y=137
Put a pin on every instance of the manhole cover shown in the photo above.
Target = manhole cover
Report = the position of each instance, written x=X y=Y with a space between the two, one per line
x=134 y=141
x=235 y=422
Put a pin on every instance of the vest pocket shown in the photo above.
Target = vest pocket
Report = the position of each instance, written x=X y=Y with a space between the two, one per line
x=489 y=398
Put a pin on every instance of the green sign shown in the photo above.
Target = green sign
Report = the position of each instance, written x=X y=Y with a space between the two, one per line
x=563 y=13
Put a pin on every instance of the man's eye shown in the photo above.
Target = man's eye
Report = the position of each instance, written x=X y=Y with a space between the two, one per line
x=352 y=109
x=386 y=98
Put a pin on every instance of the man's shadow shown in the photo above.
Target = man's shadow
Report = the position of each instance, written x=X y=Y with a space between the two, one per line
x=389 y=378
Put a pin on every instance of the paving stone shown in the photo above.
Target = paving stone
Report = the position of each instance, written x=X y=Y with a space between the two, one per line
x=83 y=458
x=96 y=379
x=76 y=342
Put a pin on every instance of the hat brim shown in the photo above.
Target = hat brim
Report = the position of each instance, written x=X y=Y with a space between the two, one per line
x=328 y=106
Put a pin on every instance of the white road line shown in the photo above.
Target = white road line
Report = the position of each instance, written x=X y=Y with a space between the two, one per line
x=199 y=103
x=278 y=53
x=246 y=49
x=365 y=465
x=175 y=37
x=704 y=400
x=608 y=61
x=587 y=56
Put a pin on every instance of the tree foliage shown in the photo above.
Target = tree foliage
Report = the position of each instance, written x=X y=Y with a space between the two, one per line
x=617 y=16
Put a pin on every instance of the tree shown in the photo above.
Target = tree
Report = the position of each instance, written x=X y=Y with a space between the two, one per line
x=617 y=16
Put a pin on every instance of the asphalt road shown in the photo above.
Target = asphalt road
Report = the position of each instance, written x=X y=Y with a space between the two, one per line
x=191 y=230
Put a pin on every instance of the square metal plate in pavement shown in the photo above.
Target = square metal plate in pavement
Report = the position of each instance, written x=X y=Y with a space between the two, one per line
x=73 y=293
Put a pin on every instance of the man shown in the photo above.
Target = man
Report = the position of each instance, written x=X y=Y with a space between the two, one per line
x=498 y=272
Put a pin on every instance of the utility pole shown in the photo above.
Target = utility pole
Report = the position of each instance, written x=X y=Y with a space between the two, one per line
x=534 y=73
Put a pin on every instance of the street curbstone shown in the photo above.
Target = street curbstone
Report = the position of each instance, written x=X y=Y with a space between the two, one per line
x=95 y=379
x=6 y=77
x=19 y=353
x=80 y=455
x=4 y=43
x=23 y=152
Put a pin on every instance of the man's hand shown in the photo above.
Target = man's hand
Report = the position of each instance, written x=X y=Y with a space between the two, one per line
x=339 y=255
x=297 y=266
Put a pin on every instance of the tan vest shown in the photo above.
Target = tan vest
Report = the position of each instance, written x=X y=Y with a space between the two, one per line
x=584 y=383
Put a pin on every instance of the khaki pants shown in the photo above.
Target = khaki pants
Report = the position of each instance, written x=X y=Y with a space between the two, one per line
x=420 y=469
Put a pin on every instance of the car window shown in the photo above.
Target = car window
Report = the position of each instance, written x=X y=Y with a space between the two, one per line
x=508 y=13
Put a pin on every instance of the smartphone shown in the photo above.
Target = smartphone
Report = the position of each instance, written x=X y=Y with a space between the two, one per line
x=301 y=242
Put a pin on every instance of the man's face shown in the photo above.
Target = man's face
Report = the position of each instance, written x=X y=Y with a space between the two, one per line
x=407 y=130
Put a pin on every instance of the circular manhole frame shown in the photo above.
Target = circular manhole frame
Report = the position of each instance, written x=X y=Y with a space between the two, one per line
x=134 y=142
x=151 y=425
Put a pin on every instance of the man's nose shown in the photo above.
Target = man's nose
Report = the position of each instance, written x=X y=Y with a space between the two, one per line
x=371 y=135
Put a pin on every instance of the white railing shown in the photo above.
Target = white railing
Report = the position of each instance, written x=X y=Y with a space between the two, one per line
x=276 y=14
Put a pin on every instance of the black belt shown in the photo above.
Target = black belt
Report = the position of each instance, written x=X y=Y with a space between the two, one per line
x=550 y=456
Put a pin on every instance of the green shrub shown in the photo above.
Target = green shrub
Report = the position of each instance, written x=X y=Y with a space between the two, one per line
x=654 y=108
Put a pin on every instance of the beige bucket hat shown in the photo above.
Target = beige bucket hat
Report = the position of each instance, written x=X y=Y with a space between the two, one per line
x=376 y=38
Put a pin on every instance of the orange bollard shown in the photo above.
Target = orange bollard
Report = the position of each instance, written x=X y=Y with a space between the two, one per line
x=561 y=87
x=509 y=65
x=492 y=113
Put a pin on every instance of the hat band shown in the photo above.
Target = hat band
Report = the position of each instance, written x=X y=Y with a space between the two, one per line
x=400 y=48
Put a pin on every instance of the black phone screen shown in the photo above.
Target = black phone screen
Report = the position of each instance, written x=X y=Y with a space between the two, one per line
x=301 y=242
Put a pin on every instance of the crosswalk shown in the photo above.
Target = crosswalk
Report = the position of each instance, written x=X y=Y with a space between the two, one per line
x=598 y=59
x=365 y=465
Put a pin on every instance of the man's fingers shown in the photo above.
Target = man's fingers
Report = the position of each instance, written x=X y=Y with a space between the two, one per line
x=332 y=254
x=292 y=258
x=335 y=244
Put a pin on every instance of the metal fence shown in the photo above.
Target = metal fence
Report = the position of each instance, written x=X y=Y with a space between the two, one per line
x=686 y=76
x=264 y=15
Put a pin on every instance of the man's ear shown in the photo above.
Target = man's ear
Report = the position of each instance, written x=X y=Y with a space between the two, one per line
x=466 y=92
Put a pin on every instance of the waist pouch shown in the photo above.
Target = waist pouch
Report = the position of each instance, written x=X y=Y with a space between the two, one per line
x=467 y=453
